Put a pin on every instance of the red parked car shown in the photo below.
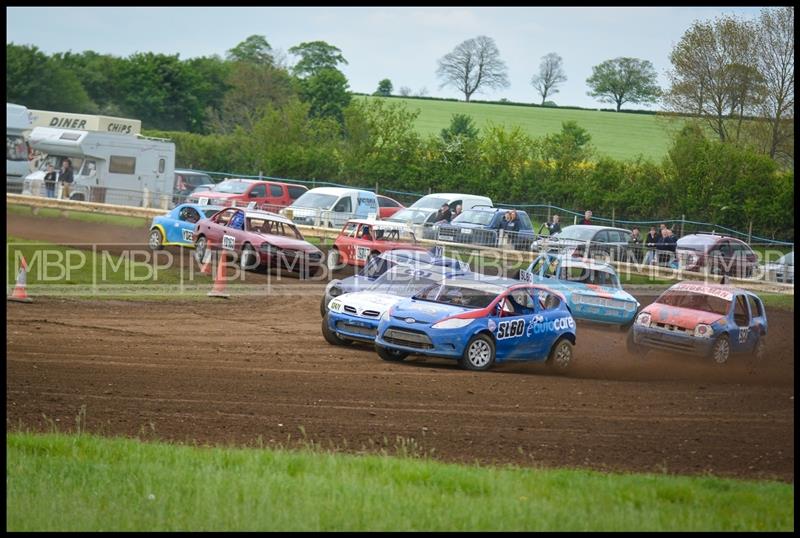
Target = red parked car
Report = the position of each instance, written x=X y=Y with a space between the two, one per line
x=388 y=206
x=267 y=195
x=718 y=254
x=361 y=239
x=257 y=238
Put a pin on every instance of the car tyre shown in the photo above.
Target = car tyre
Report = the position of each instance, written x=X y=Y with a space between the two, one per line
x=721 y=350
x=391 y=355
x=561 y=357
x=155 y=240
x=200 y=247
x=323 y=305
x=333 y=260
x=249 y=258
x=479 y=353
x=331 y=337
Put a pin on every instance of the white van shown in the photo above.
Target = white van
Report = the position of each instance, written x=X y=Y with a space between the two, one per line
x=18 y=127
x=332 y=206
x=108 y=168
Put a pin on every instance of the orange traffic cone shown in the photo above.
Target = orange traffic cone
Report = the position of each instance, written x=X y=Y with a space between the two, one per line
x=19 y=295
x=219 y=280
x=205 y=268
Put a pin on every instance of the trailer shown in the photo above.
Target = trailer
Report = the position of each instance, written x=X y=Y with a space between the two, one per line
x=18 y=127
x=108 y=167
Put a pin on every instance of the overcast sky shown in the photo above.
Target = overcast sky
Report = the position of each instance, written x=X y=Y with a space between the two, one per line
x=398 y=43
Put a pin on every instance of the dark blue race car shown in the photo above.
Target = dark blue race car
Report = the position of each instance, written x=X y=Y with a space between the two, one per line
x=378 y=265
x=177 y=226
x=479 y=323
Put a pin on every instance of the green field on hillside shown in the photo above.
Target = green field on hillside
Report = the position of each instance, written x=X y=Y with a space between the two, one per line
x=617 y=135
x=57 y=482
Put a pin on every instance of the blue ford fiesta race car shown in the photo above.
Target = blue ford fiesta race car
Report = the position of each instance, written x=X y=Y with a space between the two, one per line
x=591 y=288
x=177 y=226
x=479 y=323
x=378 y=265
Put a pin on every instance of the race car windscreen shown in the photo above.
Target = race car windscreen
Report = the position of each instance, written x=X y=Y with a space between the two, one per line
x=429 y=203
x=695 y=301
x=471 y=216
x=232 y=187
x=402 y=283
x=466 y=297
x=315 y=200
x=271 y=227
x=585 y=275
x=211 y=212
x=413 y=216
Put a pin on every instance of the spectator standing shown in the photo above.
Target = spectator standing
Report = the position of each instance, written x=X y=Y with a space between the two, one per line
x=635 y=244
x=50 y=179
x=650 y=242
x=66 y=178
x=587 y=217
x=553 y=227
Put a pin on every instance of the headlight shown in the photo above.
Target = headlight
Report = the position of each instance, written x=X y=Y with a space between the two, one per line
x=630 y=307
x=643 y=319
x=452 y=323
x=703 y=331
x=335 y=291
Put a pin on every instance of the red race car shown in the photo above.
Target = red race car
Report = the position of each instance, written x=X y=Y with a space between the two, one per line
x=258 y=238
x=362 y=238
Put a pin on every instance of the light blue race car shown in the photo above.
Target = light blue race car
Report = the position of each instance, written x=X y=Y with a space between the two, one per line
x=378 y=265
x=480 y=322
x=177 y=226
x=592 y=288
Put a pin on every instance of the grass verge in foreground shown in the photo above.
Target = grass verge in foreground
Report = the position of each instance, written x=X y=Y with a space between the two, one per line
x=82 y=482
x=86 y=216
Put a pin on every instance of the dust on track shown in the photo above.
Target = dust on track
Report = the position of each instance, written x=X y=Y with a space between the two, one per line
x=256 y=369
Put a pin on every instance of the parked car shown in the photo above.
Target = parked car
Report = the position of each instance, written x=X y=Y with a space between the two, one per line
x=177 y=226
x=710 y=320
x=453 y=199
x=267 y=195
x=716 y=254
x=377 y=266
x=388 y=206
x=782 y=270
x=258 y=238
x=362 y=238
x=355 y=316
x=332 y=206
x=482 y=225
x=592 y=289
x=186 y=181
x=479 y=322
x=588 y=241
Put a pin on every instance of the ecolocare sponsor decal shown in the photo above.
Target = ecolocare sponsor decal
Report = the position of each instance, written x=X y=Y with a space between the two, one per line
x=559 y=324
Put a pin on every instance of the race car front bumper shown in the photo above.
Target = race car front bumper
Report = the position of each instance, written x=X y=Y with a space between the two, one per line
x=447 y=343
x=684 y=342
x=353 y=327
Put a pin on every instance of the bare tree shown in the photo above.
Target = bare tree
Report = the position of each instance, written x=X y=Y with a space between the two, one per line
x=775 y=43
x=405 y=91
x=714 y=74
x=551 y=74
x=473 y=65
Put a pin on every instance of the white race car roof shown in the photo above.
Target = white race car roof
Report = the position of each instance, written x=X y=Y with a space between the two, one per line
x=266 y=216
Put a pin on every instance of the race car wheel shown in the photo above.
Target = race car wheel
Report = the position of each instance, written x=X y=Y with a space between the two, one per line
x=200 y=247
x=479 y=353
x=249 y=258
x=760 y=349
x=561 y=359
x=391 y=355
x=323 y=305
x=333 y=260
x=331 y=336
x=721 y=351
x=155 y=240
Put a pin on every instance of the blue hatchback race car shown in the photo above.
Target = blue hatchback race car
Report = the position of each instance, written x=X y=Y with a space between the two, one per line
x=480 y=322
x=177 y=226
x=592 y=288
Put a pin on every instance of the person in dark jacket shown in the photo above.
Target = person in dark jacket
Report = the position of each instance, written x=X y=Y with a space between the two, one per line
x=587 y=218
x=552 y=227
x=650 y=242
x=667 y=246
x=50 y=179
x=66 y=178
x=635 y=243
x=444 y=214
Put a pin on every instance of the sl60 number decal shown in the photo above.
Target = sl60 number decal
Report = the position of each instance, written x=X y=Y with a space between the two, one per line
x=228 y=242
x=510 y=329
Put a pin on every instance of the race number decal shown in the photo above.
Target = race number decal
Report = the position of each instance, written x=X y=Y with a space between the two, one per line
x=743 y=335
x=525 y=275
x=188 y=235
x=510 y=329
x=362 y=253
x=228 y=242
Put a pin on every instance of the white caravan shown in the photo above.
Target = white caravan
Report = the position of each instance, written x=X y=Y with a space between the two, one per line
x=108 y=168
x=18 y=127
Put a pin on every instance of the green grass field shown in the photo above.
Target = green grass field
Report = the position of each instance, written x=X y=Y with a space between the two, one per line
x=58 y=482
x=99 y=218
x=617 y=135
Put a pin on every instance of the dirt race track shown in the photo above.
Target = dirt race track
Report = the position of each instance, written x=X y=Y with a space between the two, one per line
x=256 y=369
